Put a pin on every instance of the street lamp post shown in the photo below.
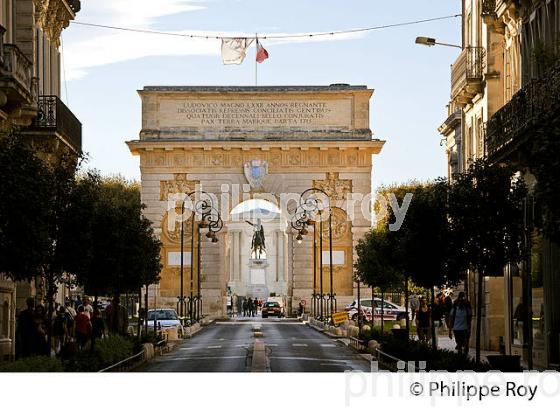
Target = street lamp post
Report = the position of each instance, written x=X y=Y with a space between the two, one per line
x=430 y=42
x=209 y=218
x=311 y=207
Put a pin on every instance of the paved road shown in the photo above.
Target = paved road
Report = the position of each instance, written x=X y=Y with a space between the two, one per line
x=291 y=347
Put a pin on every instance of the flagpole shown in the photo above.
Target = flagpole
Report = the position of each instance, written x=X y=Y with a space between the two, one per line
x=256 y=51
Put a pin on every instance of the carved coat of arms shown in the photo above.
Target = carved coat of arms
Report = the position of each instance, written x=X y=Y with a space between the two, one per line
x=255 y=172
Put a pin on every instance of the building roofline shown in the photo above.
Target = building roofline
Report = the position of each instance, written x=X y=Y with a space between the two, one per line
x=267 y=88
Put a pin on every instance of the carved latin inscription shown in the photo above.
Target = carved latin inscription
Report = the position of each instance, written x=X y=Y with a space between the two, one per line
x=255 y=113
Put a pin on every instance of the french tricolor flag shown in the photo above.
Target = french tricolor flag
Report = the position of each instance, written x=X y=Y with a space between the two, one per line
x=262 y=54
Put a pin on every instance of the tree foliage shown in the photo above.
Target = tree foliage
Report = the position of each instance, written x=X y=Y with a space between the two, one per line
x=377 y=264
x=117 y=251
x=425 y=241
x=486 y=212
x=545 y=163
x=24 y=191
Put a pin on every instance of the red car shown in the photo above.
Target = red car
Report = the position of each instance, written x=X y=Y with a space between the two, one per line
x=271 y=309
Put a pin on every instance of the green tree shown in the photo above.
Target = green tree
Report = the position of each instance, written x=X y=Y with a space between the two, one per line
x=117 y=251
x=36 y=195
x=377 y=264
x=428 y=252
x=62 y=183
x=423 y=245
x=24 y=189
x=486 y=214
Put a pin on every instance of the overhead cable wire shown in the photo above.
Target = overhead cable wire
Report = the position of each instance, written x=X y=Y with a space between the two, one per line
x=268 y=36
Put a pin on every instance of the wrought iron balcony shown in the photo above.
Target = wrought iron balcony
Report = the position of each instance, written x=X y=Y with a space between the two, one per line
x=467 y=74
x=55 y=118
x=531 y=108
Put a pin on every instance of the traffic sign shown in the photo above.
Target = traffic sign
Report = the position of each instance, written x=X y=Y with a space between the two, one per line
x=339 y=317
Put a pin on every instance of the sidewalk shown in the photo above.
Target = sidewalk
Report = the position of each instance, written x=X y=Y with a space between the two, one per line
x=445 y=343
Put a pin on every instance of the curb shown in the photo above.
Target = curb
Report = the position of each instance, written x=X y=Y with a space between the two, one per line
x=325 y=332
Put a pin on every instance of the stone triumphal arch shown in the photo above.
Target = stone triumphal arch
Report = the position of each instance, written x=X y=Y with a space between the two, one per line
x=249 y=146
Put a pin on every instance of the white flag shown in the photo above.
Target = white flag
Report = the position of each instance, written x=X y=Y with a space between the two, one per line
x=234 y=50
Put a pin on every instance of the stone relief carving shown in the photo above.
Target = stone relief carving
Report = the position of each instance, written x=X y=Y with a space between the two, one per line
x=340 y=226
x=335 y=188
x=233 y=159
x=180 y=184
x=53 y=16
x=174 y=235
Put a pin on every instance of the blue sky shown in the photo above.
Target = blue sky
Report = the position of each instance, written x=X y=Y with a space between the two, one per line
x=104 y=68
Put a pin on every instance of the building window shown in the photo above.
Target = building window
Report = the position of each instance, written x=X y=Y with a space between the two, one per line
x=4 y=319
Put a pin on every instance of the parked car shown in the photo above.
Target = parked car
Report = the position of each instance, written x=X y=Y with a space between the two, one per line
x=165 y=318
x=271 y=309
x=391 y=311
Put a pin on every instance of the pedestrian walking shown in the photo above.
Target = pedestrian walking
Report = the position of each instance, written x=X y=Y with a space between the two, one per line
x=117 y=317
x=414 y=305
x=448 y=305
x=301 y=307
x=97 y=327
x=77 y=302
x=88 y=308
x=250 y=307
x=423 y=317
x=70 y=309
x=244 y=307
x=60 y=330
x=82 y=327
x=460 y=324
x=25 y=330
x=40 y=322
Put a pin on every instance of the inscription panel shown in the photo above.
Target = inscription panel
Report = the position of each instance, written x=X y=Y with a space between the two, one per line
x=251 y=114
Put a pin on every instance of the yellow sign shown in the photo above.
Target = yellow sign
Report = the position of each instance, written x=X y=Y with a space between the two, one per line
x=339 y=318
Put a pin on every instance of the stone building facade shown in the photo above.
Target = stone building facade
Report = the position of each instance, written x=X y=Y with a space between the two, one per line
x=504 y=91
x=293 y=138
x=30 y=105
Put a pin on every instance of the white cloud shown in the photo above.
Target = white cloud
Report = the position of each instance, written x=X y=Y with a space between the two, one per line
x=88 y=47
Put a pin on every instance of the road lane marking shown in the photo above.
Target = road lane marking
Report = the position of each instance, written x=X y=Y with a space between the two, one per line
x=299 y=344
x=272 y=344
x=236 y=323
x=327 y=345
x=178 y=359
x=186 y=348
x=311 y=359
x=213 y=347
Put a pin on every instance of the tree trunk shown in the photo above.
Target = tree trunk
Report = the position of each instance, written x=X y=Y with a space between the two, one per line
x=382 y=312
x=372 y=309
x=146 y=312
x=433 y=327
x=478 y=315
x=139 y=314
x=406 y=303
x=51 y=290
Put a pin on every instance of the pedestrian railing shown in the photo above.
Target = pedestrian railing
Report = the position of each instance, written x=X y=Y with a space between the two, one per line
x=391 y=363
x=125 y=364
x=358 y=344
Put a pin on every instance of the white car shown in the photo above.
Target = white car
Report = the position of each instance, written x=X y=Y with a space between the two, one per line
x=165 y=318
x=391 y=311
